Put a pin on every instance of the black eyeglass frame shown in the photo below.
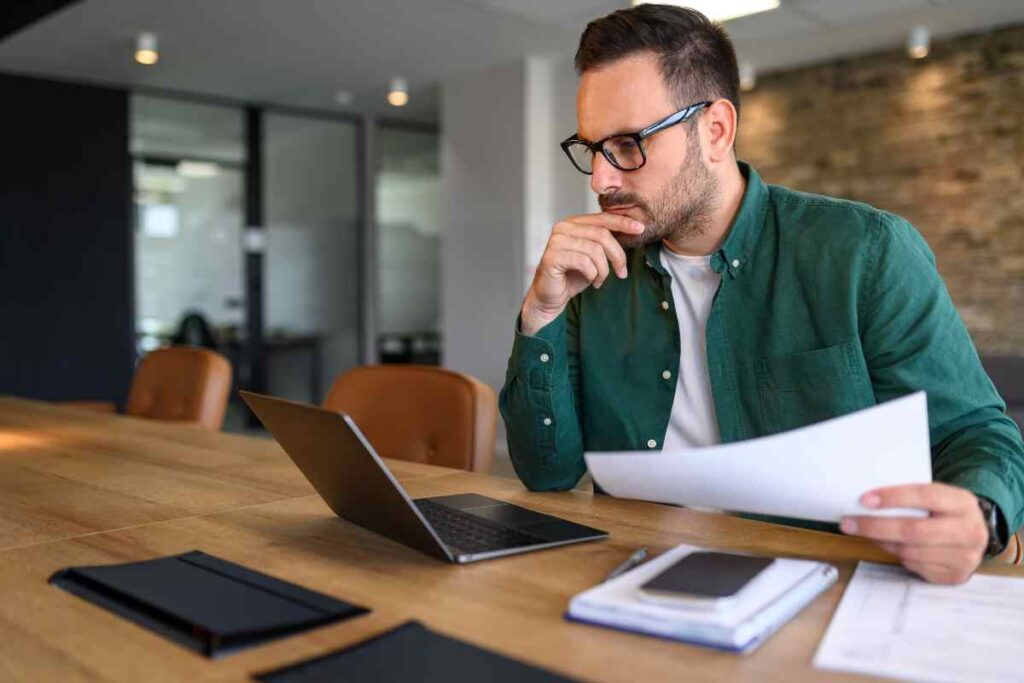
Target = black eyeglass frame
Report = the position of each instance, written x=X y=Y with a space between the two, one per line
x=680 y=116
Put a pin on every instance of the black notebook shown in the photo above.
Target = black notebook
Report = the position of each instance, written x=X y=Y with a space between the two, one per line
x=202 y=602
x=411 y=652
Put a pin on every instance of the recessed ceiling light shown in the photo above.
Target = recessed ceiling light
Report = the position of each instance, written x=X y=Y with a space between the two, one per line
x=343 y=98
x=918 y=42
x=721 y=10
x=398 y=92
x=146 y=49
x=748 y=76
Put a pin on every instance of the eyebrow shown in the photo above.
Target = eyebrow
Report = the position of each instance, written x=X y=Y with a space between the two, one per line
x=622 y=132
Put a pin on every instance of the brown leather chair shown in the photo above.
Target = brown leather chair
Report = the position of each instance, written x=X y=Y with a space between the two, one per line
x=179 y=383
x=420 y=413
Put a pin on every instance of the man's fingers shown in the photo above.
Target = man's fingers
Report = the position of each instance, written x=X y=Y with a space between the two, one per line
x=612 y=249
x=889 y=547
x=954 y=558
x=936 y=573
x=581 y=263
x=609 y=221
x=592 y=250
x=935 y=497
x=932 y=531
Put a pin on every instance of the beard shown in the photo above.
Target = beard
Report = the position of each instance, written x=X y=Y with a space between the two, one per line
x=680 y=212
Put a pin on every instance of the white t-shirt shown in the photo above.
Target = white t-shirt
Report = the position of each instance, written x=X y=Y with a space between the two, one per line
x=694 y=285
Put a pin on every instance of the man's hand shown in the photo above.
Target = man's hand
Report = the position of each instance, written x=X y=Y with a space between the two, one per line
x=580 y=252
x=944 y=548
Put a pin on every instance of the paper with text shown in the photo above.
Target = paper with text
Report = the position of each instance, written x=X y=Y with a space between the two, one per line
x=890 y=623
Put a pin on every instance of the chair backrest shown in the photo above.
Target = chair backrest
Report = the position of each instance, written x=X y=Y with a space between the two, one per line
x=183 y=384
x=195 y=330
x=420 y=413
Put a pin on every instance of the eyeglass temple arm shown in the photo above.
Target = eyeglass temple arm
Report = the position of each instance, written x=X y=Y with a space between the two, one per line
x=673 y=119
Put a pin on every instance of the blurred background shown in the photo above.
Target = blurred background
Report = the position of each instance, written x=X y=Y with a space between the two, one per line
x=314 y=185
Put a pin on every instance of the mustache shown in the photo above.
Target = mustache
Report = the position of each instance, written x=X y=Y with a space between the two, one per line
x=613 y=199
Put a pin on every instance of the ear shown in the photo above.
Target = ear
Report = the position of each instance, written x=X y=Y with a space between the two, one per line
x=718 y=127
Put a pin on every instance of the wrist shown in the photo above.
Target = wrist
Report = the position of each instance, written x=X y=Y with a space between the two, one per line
x=533 y=316
x=998 y=535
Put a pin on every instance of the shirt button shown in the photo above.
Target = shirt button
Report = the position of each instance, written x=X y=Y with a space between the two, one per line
x=664 y=305
x=544 y=358
x=666 y=375
x=735 y=263
x=547 y=421
x=651 y=443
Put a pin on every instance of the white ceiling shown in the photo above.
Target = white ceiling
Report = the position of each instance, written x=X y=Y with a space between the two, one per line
x=300 y=52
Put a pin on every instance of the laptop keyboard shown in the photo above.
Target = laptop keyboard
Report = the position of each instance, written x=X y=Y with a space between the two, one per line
x=471 y=534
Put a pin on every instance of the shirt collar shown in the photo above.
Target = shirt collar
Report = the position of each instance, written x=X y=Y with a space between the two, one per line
x=743 y=234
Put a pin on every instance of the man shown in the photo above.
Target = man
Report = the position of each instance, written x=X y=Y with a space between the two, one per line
x=703 y=306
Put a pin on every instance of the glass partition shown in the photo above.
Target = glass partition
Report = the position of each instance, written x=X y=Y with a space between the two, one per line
x=189 y=166
x=311 y=267
x=408 y=184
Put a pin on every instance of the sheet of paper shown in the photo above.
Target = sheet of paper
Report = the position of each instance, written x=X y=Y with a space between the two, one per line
x=892 y=624
x=817 y=472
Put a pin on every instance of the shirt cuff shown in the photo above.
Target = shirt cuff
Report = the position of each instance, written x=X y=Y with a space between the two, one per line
x=540 y=356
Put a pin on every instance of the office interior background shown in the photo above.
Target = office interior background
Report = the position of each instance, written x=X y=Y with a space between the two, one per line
x=259 y=178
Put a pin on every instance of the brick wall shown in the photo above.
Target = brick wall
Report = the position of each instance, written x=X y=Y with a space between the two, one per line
x=938 y=141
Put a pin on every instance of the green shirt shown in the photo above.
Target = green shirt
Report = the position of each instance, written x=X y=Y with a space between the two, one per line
x=825 y=307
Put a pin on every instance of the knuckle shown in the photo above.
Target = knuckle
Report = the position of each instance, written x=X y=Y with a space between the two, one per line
x=959 y=576
x=868 y=527
x=913 y=532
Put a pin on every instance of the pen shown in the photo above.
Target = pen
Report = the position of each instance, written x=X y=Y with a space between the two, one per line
x=630 y=562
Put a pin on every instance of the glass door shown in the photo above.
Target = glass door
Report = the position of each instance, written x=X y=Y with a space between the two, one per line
x=312 y=264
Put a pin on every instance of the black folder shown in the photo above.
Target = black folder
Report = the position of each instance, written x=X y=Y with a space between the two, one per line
x=411 y=652
x=202 y=602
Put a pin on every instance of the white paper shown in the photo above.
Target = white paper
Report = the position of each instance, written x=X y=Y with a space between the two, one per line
x=892 y=624
x=817 y=472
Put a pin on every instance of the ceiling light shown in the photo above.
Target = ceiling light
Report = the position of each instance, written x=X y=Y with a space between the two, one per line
x=748 y=76
x=145 y=49
x=398 y=92
x=721 y=10
x=918 y=42
x=197 y=169
x=343 y=98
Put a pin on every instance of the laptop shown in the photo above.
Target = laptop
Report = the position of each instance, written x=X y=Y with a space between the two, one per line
x=343 y=467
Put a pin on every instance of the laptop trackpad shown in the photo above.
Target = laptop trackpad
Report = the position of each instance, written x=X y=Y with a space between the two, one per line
x=508 y=515
x=528 y=521
x=545 y=526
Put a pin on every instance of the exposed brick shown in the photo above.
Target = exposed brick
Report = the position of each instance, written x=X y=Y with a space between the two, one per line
x=938 y=141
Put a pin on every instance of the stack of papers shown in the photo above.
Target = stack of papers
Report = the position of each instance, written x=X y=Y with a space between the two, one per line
x=892 y=624
x=817 y=472
x=762 y=607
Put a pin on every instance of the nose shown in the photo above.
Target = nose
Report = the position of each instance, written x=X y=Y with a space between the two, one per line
x=605 y=178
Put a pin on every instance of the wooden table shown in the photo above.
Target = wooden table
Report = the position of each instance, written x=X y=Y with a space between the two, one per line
x=81 y=488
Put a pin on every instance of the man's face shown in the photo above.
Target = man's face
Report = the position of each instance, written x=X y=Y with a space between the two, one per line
x=674 y=192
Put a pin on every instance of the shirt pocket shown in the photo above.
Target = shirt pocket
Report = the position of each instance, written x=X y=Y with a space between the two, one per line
x=807 y=387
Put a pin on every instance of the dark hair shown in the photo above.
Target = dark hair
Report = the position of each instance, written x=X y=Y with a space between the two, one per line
x=698 y=61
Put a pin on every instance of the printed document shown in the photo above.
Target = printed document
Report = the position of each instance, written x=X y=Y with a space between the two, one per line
x=890 y=623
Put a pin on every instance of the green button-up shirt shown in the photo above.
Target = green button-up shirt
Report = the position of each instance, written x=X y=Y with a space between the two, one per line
x=825 y=307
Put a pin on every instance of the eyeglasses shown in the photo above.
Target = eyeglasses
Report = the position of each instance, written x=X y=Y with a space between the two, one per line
x=624 y=151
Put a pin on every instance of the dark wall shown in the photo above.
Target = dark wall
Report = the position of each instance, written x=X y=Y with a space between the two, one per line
x=17 y=14
x=66 y=298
